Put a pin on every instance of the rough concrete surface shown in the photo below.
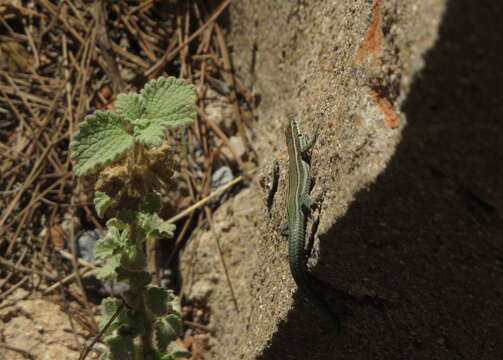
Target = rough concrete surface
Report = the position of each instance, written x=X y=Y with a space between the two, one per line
x=410 y=235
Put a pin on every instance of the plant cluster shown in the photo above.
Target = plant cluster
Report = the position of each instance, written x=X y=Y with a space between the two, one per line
x=129 y=153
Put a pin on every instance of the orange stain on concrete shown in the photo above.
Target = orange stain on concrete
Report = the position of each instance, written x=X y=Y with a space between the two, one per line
x=372 y=42
x=392 y=119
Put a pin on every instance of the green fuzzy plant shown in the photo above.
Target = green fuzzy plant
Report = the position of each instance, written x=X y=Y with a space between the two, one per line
x=128 y=152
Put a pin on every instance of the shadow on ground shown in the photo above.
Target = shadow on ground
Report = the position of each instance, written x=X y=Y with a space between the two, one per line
x=419 y=255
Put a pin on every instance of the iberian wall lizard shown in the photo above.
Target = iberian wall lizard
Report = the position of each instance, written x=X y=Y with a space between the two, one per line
x=298 y=207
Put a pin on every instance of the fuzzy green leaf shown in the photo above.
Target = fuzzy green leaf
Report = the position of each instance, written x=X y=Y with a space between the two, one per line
x=128 y=330
x=178 y=351
x=109 y=249
x=110 y=244
x=136 y=279
x=133 y=258
x=102 y=202
x=121 y=347
x=153 y=354
x=107 y=356
x=159 y=300
x=168 y=329
x=133 y=324
x=127 y=216
x=131 y=106
x=101 y=138
x=116 y=223
x=154 y=226
x=176 y=305
x=152 y=135
x=109 y=307
x=108 y=270
x=169 y=102
x=151 y=203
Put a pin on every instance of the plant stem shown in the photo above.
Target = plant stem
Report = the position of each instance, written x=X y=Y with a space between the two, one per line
x=147 y=337
x=149 y=330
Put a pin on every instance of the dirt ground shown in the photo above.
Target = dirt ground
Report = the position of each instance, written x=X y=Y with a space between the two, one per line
x=427 y=237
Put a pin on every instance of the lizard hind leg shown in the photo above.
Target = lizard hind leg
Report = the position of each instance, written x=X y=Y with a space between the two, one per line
x=284 y=229
x=306 y=143
x=306 y=203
